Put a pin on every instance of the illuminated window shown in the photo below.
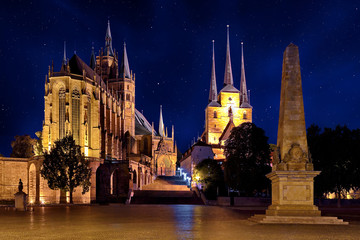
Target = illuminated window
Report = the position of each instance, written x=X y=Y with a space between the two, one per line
x=215 y=114
x=61 y=113
x=75 y=120
x=244 y=115
x=230 y=113
x=89 y=119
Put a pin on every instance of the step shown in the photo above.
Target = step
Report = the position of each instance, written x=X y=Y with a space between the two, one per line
x=154 y=193
x=165 y=197
x=164 y=187
x=265 y=219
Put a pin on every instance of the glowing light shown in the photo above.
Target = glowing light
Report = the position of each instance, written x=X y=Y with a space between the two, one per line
x=86 y=151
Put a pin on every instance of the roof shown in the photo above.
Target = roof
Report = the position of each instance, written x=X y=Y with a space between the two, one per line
x=124 y=66
x=142 y=125
x=77 y=65
x=229 y=88
x=214 y=104
x=227 y=131
x=245 y=105
x=201 y=143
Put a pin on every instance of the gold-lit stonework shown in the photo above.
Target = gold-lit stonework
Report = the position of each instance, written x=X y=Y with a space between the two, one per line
x=227 y=109
x=96 y=104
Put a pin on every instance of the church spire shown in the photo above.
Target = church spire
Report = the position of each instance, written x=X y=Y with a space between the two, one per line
x=243 y=89
x=228 y=78
x=64 y=61
x=213 y=89
x=124 y=67
x=92 y=58
x=161 y=124
x=64 y=58
x=108 y=41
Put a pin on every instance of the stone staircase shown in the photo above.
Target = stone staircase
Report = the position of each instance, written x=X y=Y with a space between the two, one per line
x=264 y=219
x=166 y=190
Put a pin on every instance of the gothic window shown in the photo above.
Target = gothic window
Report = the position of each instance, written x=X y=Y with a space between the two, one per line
x=89 y=119
x=75 y=120
x=146 y=146
x=230 y=114
x=127 y=97
x=127 y=87
x=61 y=113
x=134 y=177
x=215 y=114
x=244 y=115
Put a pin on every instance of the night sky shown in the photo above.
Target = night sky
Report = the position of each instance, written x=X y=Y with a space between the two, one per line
x=169 y=49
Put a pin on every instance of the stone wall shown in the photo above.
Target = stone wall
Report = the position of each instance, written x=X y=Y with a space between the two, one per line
x=11 y=170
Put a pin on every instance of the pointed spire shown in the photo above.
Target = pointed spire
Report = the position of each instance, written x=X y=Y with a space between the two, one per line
x=64 y=58
x=161 y=124
x=92 y=58
x=64 y=61
x=228 y=78
x=124 y=67
x=243 y=90
x=108 y=41
x=213 y=88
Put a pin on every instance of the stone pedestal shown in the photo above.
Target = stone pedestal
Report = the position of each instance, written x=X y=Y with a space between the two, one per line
x=293 y=200
x=20 y=201
x=292 y=175
x=292 y=193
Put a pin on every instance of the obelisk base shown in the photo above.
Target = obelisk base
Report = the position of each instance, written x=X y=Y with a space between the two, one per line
x=292 y=200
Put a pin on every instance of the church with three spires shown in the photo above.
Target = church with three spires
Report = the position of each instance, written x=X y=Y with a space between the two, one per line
x=226 y=109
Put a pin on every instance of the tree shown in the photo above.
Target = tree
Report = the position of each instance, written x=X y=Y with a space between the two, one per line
x=23 y=147
x=65 y=167
x=336 y=153
x=247 y=159
x=38 y=147
x=208 y=172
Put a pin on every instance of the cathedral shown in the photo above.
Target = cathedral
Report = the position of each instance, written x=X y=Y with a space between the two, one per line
x=95 y=103
x=226 y=109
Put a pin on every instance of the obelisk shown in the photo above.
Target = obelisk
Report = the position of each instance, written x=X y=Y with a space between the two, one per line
x=292 y=176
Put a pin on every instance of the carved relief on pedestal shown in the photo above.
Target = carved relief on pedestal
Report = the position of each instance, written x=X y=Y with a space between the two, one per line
x=296 y=159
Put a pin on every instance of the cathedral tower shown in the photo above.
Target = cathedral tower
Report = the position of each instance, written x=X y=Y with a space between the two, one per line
x=227 y=109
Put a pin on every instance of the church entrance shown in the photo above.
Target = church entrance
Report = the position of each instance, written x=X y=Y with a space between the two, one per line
x=165 y=167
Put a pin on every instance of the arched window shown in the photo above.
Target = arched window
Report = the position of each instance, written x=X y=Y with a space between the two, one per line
x=89 y=119
x=244 y=115
x=215 y=114
x=134 y=177
x=75 y=120
x=61 y=113
x=127 y=97
x=230 y=113
x=146 y=146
